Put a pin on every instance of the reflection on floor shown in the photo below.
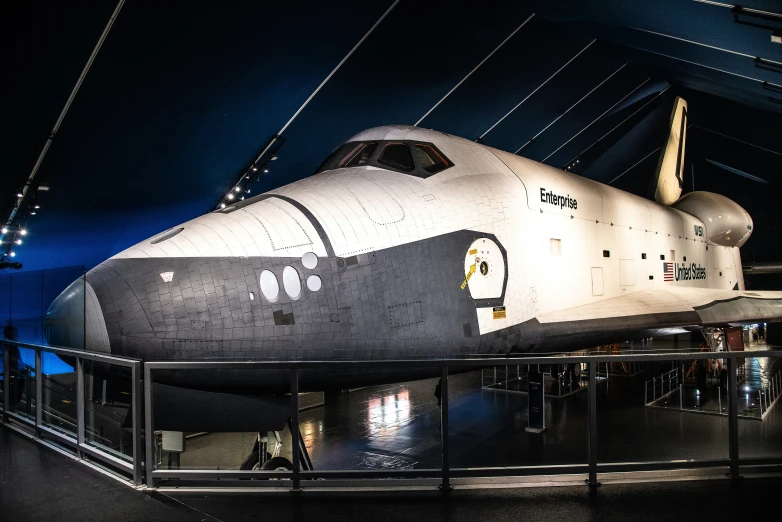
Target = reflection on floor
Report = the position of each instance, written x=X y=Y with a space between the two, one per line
x=397 y=427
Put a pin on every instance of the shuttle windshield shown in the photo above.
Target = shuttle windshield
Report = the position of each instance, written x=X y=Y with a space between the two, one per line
x=409 y=157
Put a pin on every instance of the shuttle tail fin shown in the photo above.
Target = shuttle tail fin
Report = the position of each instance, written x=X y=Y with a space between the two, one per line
x=669 y=178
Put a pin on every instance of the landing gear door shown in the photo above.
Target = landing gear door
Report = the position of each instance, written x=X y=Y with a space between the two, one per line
x=485 y=271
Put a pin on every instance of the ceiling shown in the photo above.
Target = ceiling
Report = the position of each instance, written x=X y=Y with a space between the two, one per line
x=180 y=101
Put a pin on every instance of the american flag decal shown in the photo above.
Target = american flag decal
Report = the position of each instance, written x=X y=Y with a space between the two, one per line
x=668 y=271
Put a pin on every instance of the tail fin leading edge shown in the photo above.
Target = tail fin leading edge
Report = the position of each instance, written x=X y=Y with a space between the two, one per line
x=669 y=179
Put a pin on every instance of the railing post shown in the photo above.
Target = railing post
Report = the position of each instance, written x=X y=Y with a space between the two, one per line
x=592 y=436
x=38 y=393
x=296 y=455
x=149 y=435
x=446 y=477
x=733 y=419
x=136 y=404
x=6 y=381
x=79 y=406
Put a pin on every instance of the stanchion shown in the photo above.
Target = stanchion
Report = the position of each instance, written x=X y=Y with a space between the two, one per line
x=296 y=456
x=446 y=470
x=592 y=435
x=733 y=420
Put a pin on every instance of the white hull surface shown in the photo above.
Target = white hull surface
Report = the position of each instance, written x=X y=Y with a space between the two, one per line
x=493 y=253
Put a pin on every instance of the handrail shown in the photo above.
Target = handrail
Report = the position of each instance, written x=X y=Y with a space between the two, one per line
x=450 y=363
x=473 y=362
x=119 y=360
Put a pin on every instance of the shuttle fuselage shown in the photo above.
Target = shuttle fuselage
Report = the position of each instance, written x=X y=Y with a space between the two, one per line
x=454 y=249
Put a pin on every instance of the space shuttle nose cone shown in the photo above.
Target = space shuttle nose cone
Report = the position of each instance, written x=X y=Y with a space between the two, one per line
x=75 y=319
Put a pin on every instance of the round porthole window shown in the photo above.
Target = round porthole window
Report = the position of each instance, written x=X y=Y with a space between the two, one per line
x=291 y=282
x=309 y=260
x=314 y=283
x=270 y=288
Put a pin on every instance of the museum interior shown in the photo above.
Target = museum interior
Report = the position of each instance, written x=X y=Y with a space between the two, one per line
x=402 y=259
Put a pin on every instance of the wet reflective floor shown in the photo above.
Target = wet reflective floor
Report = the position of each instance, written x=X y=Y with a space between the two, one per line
x=398 y=426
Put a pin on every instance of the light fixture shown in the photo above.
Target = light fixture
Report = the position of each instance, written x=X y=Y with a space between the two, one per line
x=247 y=191
x=36 y=206
x=19 y=195
x=23 y=232
x=266 y=170
x=237 y=189
x=18 y=241
x=5 y=230
x=230 y=196
x=12 y=254
x=255 y=169
x=32 y=212
x=222 y=205
x=242 y=198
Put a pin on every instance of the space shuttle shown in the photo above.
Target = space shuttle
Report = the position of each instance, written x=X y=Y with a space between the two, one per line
x=410 y=243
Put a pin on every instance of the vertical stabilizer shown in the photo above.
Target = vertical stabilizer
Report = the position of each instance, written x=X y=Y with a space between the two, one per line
x=669 y=178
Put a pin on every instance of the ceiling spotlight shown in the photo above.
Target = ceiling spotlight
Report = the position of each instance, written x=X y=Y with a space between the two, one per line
x=23 y=232
x=230 y=196
x=247 y=191
x=222 y=205
x=255 y=169
x=577 y=161
x=12 y=254
x=32 y=212
x=242 y=198
x=18 y=241
x=19 y=195
x=266 y=170
x=274 y=158
x=36 y=206
x=5 y=230
x=237 y=189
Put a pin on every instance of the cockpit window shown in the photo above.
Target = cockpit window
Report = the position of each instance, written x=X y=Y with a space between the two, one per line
x=410 y=157
x=359 y=155
x=430 y=159
x=397 y=155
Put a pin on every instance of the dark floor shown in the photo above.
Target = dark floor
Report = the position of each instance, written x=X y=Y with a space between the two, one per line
x=37 y=483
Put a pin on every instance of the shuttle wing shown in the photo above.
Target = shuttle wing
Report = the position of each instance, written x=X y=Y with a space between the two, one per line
x=660 y=309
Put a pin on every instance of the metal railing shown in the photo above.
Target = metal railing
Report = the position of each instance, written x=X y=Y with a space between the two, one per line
x=133 y=466
x=445 y=473
x=146 y=468
x=662 y=386
x=769 y=395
